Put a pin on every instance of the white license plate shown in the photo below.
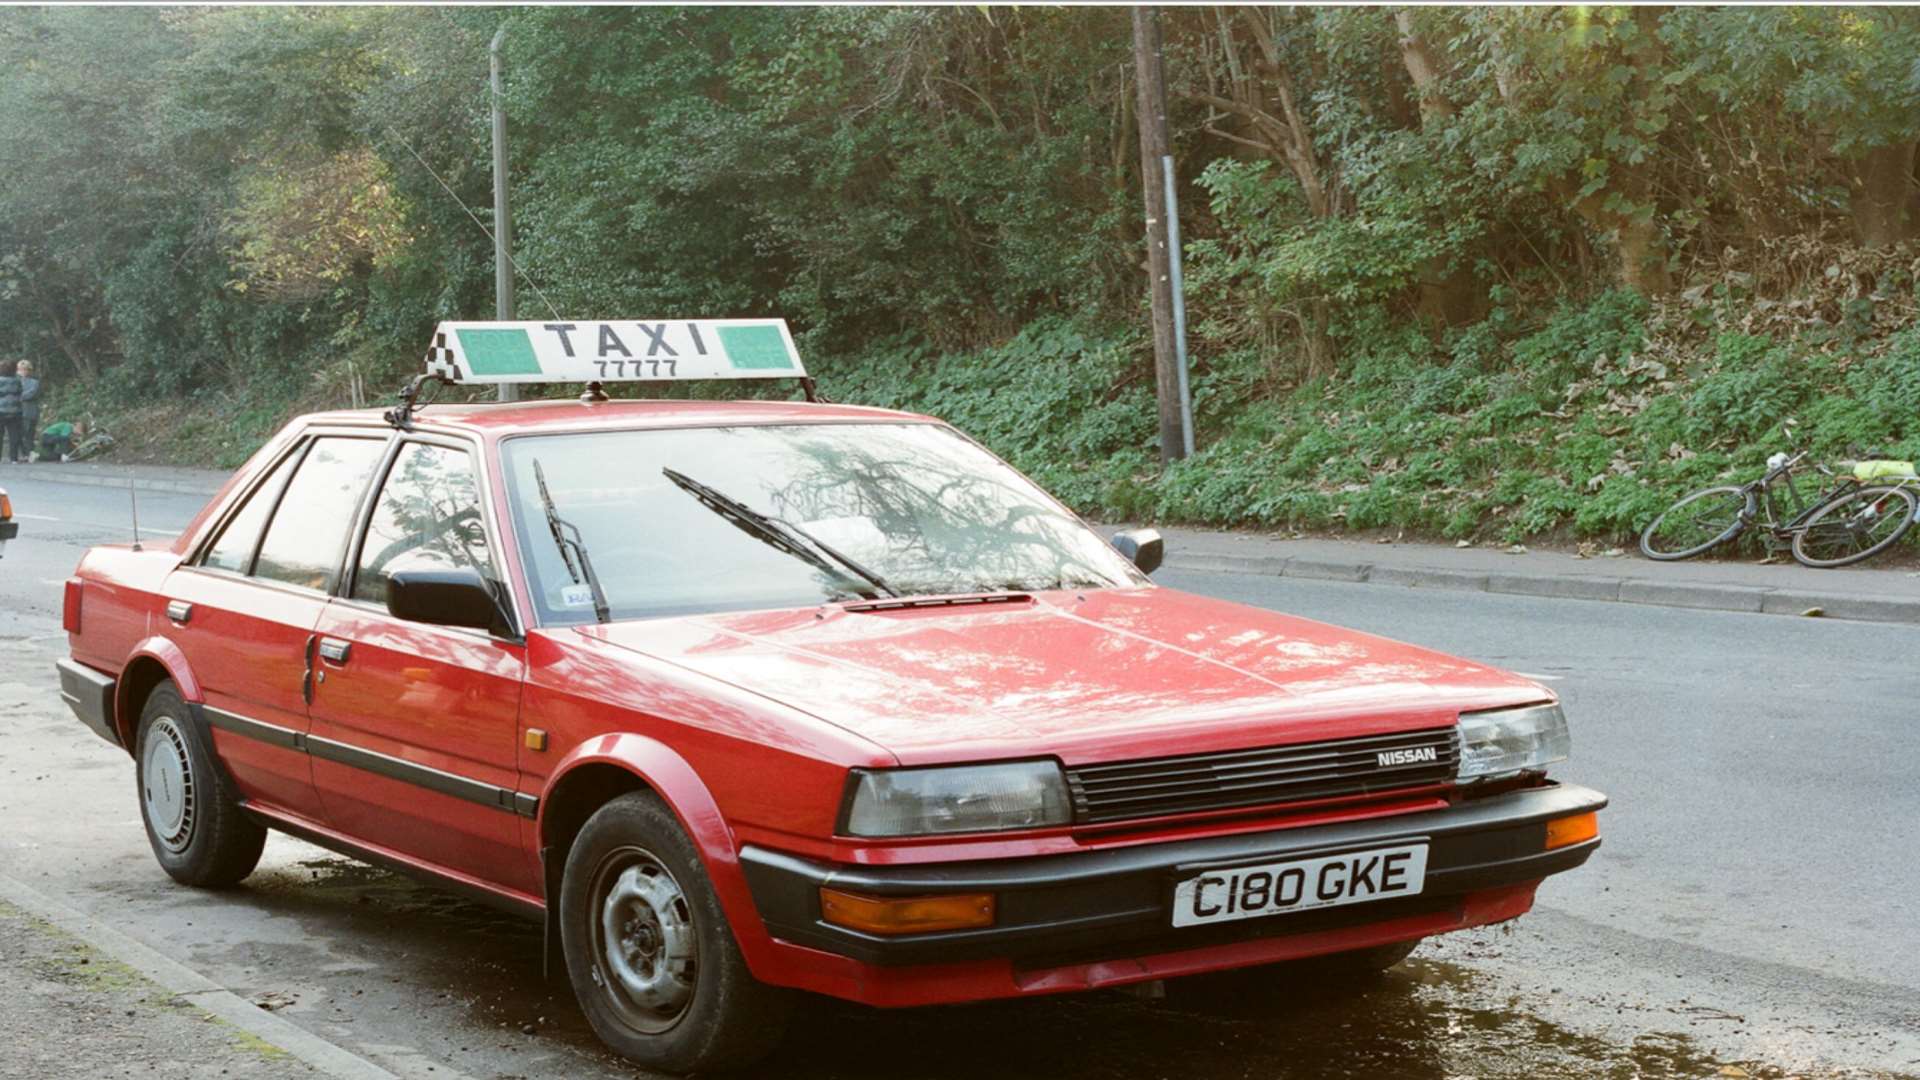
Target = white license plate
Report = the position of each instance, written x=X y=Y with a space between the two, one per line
x=1248 y=892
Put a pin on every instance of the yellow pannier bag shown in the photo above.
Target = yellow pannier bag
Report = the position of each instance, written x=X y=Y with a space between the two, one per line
x=1882 y=470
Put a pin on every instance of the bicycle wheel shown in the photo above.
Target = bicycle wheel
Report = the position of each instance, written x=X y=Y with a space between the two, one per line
x=1855 y=526
x=1697 y=523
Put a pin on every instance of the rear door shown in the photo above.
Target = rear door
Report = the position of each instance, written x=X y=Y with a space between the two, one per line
x=244 y=610
x=416 y=727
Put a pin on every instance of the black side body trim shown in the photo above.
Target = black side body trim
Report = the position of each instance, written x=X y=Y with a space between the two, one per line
x=393 y=768
x=272 y=734
x=1114 y=902
x=89 y=694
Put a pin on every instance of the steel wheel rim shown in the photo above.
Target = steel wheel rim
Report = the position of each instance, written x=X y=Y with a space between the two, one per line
x=645 y=947
x=166 y=785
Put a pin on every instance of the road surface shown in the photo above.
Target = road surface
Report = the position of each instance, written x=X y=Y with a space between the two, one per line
x=1751 y=913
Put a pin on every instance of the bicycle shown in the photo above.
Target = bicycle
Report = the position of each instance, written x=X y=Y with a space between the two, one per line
x=1861 y=524
x=97 y=441
x=1814 y=528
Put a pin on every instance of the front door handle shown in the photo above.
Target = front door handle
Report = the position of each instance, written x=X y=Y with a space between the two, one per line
x=179 y=610
x=334 y=650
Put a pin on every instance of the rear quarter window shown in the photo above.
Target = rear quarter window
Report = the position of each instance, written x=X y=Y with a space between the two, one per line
x=233 y=548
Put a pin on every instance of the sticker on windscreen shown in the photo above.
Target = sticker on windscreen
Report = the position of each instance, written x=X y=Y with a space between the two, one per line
x=576 y=596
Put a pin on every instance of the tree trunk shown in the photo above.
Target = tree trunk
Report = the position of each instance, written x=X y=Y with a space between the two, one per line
x=1425 y=67
x=1448 y=296
x=1881 y=185
x=82 y=365
x=1153 y=149
x=1643 y=255
x=1317 y=351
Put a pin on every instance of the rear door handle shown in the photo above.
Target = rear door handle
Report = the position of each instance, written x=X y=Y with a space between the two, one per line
x=179 y=610
x=335 y=650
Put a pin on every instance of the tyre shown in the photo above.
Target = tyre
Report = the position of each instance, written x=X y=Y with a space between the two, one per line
x=1855 y=527
x=649 y=952
x=194 y=822
x=1257 y=989
x=1364 y=962
x=1698 y=523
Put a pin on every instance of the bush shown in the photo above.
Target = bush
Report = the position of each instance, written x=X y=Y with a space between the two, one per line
x=1516 y=429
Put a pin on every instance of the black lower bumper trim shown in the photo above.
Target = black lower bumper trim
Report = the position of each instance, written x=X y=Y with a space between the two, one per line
x=89 y=694
x=1113 y=902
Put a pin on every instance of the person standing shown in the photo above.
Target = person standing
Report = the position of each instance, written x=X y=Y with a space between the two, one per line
x=29 y=409
x=12 y=433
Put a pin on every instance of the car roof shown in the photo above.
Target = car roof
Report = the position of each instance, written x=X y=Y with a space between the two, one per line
x=496 y=420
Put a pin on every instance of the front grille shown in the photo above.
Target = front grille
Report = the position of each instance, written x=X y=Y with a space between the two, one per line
x=1190 y=783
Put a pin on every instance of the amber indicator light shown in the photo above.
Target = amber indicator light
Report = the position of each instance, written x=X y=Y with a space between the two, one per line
x=905 y=914
x=1572 y=830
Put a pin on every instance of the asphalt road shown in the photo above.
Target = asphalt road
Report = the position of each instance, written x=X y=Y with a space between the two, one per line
x=1752 y=910
x=58 y=522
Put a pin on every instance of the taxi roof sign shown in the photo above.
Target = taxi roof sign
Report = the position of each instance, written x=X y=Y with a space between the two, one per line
x=614 y=350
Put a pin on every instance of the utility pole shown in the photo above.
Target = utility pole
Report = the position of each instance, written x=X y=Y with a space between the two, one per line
x=1150 y=71
x=502 y=217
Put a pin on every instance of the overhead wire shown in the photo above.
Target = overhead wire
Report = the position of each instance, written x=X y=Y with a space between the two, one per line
x=444 y=186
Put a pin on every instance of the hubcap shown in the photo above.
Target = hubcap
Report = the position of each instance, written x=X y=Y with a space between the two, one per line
x=644 y=940
x=166 y=786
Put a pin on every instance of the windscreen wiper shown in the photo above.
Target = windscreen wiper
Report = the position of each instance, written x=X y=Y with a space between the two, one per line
x=778 y=532
x=572 y=552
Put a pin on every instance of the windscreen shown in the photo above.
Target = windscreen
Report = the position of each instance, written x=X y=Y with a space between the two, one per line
x=739 y=518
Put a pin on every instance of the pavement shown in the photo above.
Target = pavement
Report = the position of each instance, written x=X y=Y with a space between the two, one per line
x=73 y=1010
x=173 y=479
x=1884 y=593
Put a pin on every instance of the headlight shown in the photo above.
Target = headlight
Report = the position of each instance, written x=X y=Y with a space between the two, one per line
x=967 y=798
x=1504 y=742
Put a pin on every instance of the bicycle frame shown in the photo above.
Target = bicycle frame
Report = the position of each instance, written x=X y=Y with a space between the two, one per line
x=1778 y=490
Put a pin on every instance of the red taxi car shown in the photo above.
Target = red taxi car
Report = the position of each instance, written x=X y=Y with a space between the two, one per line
x=747 y=698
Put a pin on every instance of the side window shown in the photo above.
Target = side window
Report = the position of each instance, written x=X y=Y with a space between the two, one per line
x=233 y=548
x=303 y=542
x=426 y=518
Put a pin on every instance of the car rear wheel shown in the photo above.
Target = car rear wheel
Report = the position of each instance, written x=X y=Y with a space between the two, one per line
x=649 y=952
x=195 y=825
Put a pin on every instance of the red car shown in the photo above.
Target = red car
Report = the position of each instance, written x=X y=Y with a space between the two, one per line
x=751 y=697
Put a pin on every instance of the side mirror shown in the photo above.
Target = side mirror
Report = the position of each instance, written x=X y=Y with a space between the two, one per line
x=458 y=597
x=1142 y=546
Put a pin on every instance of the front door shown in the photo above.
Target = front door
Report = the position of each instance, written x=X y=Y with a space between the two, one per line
x=415 y=727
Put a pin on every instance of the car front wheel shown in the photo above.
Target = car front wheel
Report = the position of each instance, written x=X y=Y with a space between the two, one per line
x=649 y=952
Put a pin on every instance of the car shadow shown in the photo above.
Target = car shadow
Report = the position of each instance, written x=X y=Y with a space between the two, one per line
x=1423 y=1020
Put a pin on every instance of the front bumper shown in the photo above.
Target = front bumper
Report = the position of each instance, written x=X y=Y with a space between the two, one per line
x=1090 y=907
